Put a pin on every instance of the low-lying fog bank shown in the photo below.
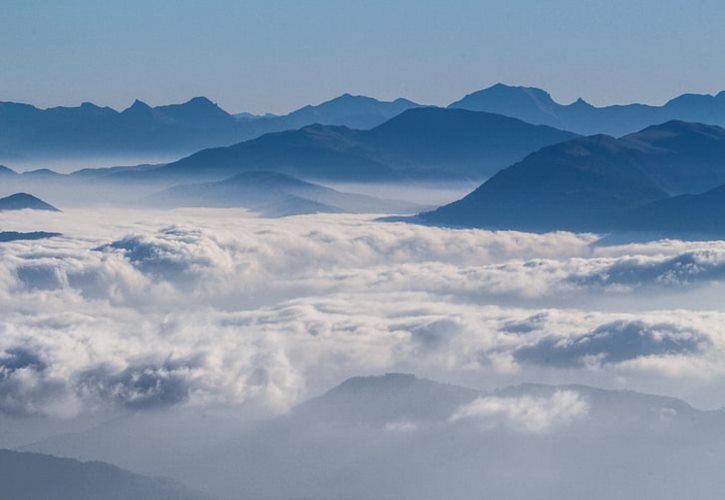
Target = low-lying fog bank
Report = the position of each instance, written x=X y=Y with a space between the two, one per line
x=181 y=328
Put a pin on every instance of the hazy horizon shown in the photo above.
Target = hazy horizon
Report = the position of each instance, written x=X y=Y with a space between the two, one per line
x=443 y=103
x=111 y=53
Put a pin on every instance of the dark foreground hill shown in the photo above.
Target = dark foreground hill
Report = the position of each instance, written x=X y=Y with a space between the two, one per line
x=599 y=183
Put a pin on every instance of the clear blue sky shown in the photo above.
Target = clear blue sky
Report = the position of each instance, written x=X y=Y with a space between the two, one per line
x=277 y=55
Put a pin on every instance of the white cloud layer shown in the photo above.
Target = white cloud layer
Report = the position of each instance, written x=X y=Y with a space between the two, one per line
x=525 y=413
x=141 y=310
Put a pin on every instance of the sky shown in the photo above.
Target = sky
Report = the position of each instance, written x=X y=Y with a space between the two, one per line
x=275 y=56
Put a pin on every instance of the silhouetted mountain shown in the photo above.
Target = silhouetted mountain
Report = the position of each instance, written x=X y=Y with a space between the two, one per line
x=43 y=173
x=357 y=112
x=274 y=195
x=595 y=183
x=20 y=201
x=30 y=133
x=696 y=214
x=32 y=476
x=92 y=130
x=177 y=129
x=100 y=172
x=526 y=103
x=419 y=143
x=312 y=152
x=5 y=171
x=6 y=236
x=536 y=106
x=459 y=141
x=682 y=157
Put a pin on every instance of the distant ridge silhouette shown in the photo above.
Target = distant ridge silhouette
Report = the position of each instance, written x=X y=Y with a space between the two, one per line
x=176 y=129
x=535 y=105
x=30 y=133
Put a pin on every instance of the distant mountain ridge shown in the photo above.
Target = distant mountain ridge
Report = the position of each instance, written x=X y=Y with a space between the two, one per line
x=536 y=106
x=173 y=130
x=33 y=134
x=92 y=130
x=358 y=112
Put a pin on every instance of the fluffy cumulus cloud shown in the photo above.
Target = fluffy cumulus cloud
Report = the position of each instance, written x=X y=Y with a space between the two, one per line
x=614 y=342
x=525 y=413
x=638 y=271
x=145 y=310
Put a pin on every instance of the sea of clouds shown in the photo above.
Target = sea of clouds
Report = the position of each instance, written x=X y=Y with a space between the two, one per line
x=146 y=310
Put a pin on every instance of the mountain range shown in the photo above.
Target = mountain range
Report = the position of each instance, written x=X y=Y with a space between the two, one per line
x=535 y=105
x=399 y=436
x=30 y=133
x=420 y=143
x=65 y=133
x=665 y=177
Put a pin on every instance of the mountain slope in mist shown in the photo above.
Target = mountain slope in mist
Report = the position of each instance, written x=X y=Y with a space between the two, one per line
x=32 y=476
x=274 y=195
x=397 y=436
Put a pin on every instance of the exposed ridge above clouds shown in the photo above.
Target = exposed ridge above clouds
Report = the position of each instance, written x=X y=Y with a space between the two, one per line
x=603 y=184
